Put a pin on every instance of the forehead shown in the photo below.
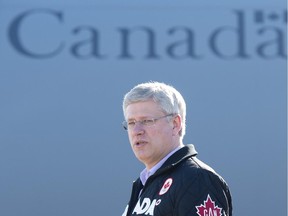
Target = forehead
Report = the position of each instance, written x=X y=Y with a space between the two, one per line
x=142 y=109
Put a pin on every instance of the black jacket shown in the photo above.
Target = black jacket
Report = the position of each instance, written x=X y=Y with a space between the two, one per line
x=183 y=186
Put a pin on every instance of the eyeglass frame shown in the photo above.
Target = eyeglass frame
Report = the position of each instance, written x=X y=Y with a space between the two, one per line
x=145 y=122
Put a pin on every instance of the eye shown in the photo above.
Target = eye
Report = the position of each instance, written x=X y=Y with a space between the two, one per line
x=148 y=121
x=131 y=123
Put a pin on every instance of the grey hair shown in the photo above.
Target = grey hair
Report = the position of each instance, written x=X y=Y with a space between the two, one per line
x=166 y=96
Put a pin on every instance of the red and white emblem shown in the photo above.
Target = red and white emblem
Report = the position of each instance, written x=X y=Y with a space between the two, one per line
x=167 y=184
x=209 y=208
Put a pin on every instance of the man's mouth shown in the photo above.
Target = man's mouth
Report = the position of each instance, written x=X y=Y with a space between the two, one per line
x=140 y=143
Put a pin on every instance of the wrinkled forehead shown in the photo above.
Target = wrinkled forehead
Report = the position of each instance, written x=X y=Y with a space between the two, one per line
x=142 y=109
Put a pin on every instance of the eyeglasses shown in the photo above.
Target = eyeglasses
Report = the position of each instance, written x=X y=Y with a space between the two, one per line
x=145 y=122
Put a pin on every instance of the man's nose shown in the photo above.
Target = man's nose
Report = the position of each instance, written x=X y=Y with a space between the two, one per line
x=138 y=128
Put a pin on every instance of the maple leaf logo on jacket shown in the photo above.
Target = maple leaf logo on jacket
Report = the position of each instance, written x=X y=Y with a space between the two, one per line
x=209 y=208
x=167 y=184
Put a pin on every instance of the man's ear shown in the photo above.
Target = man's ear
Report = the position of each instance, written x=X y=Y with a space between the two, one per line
x=177 y=124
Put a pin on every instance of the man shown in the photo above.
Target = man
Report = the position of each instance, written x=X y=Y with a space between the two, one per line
x=174 y=182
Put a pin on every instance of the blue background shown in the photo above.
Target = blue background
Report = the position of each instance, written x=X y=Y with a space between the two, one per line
x=63 y=151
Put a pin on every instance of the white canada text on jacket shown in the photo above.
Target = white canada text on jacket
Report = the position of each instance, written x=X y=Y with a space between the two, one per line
x=146 y=206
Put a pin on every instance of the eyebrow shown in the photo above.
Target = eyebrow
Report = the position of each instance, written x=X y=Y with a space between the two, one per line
x=141 y=118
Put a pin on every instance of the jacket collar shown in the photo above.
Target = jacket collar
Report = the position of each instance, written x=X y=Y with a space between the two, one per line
x=186 y=152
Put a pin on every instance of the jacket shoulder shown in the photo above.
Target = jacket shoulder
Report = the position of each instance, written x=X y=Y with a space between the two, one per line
x=196 y=182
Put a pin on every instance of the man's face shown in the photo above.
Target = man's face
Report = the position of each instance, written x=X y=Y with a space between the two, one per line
x=150 y=143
